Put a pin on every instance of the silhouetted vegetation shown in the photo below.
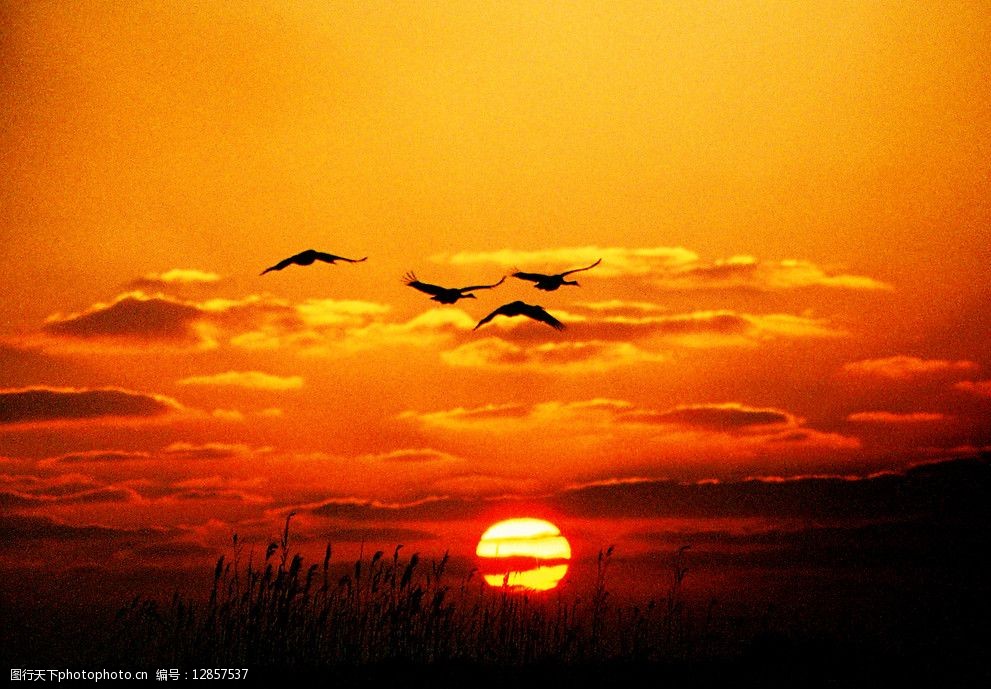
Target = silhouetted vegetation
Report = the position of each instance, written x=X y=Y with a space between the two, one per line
x=389 y=609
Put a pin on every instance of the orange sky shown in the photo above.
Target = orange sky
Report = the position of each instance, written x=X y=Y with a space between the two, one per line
x=790 y=202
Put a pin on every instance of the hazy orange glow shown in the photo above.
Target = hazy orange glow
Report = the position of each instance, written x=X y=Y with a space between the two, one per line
x=518 y=541
x=789 y=201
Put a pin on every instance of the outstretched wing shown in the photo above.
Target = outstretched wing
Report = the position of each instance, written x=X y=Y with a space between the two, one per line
x=578 y=270
x=284 y=263
x=426 y=287
x=474 y=287
x=538 y=314
x=330 y=258
x=500 y=311
x=532 y=277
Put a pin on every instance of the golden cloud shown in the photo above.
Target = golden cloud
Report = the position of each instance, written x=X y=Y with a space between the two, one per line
x=255 y=380
x=549 y=357
x=903 y=367
x=675 y=268
x=177 y=276
x=896 y=417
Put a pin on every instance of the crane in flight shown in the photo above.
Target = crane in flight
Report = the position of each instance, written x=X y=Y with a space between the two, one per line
x=309 y=257
x=447 y=295
x=549 y=283
x=519 y=308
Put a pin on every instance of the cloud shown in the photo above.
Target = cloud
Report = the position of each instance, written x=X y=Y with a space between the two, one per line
x=320 y=312
x=414 y=456
x=619 y=306
x=549 y=357
x=231 y=415
x=219 y=494
x=746 y=272
x=616 y=261
x=354 y=331
x=887 y=417
x=604 y=339
x=723 y=439
x=975 y=387
x=15 y=499
x=255 y=380
x=727 y=417
x=96 y=457
x=960 y=486
x=945 y=489
x=698 y=328
x=49 y=404
x=428 y=509
x=211 y=451
x=177 y=276
x=909 y=544
x=675 y=268
x=15 y=529
x=131 y=316
x=904 y=367
x=253 y=322
x=461 y=415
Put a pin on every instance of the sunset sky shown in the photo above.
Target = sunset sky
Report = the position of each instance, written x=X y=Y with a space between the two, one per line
x=790 y=201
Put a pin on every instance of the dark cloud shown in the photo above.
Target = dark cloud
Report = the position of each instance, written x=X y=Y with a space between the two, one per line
x=954 y=487
x=959 y=486
x=209 y=451
x=717 y=416
x=910 y=543
x=214 y=494
x=432 y=509
x=131 y=316
x=14 y=499
x=42 y=404
x=15 y=529
x=98 y=456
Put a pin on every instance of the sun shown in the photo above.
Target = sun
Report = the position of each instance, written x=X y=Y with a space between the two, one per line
x=523 y=554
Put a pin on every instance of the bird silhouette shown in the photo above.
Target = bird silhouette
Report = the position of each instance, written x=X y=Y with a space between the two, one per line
x=308 y=257
x=519 y=308
x=446 y=295
x=549 y=283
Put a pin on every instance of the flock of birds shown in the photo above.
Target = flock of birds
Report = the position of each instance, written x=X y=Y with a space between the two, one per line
x=451 y=295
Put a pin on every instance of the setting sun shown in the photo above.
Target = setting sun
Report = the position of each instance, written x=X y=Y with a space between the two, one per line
x=524 y=554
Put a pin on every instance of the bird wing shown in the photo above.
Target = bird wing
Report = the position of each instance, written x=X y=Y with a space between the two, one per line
x=330 y=258
x=284 y=263
x=474 y=287
x=426 y=287
x=532 y=277
x=578 y=270
x=538 y=314
x=504 y=309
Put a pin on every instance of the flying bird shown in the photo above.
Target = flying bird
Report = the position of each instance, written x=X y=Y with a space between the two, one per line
x=446 y=295
x=549 y=283
x=308 y=257
x=519 y=308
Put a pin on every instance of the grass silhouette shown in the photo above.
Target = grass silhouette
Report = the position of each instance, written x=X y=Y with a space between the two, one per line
x=392 y=609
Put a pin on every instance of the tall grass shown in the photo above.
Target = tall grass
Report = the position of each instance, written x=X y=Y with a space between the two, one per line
x=389 y=608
